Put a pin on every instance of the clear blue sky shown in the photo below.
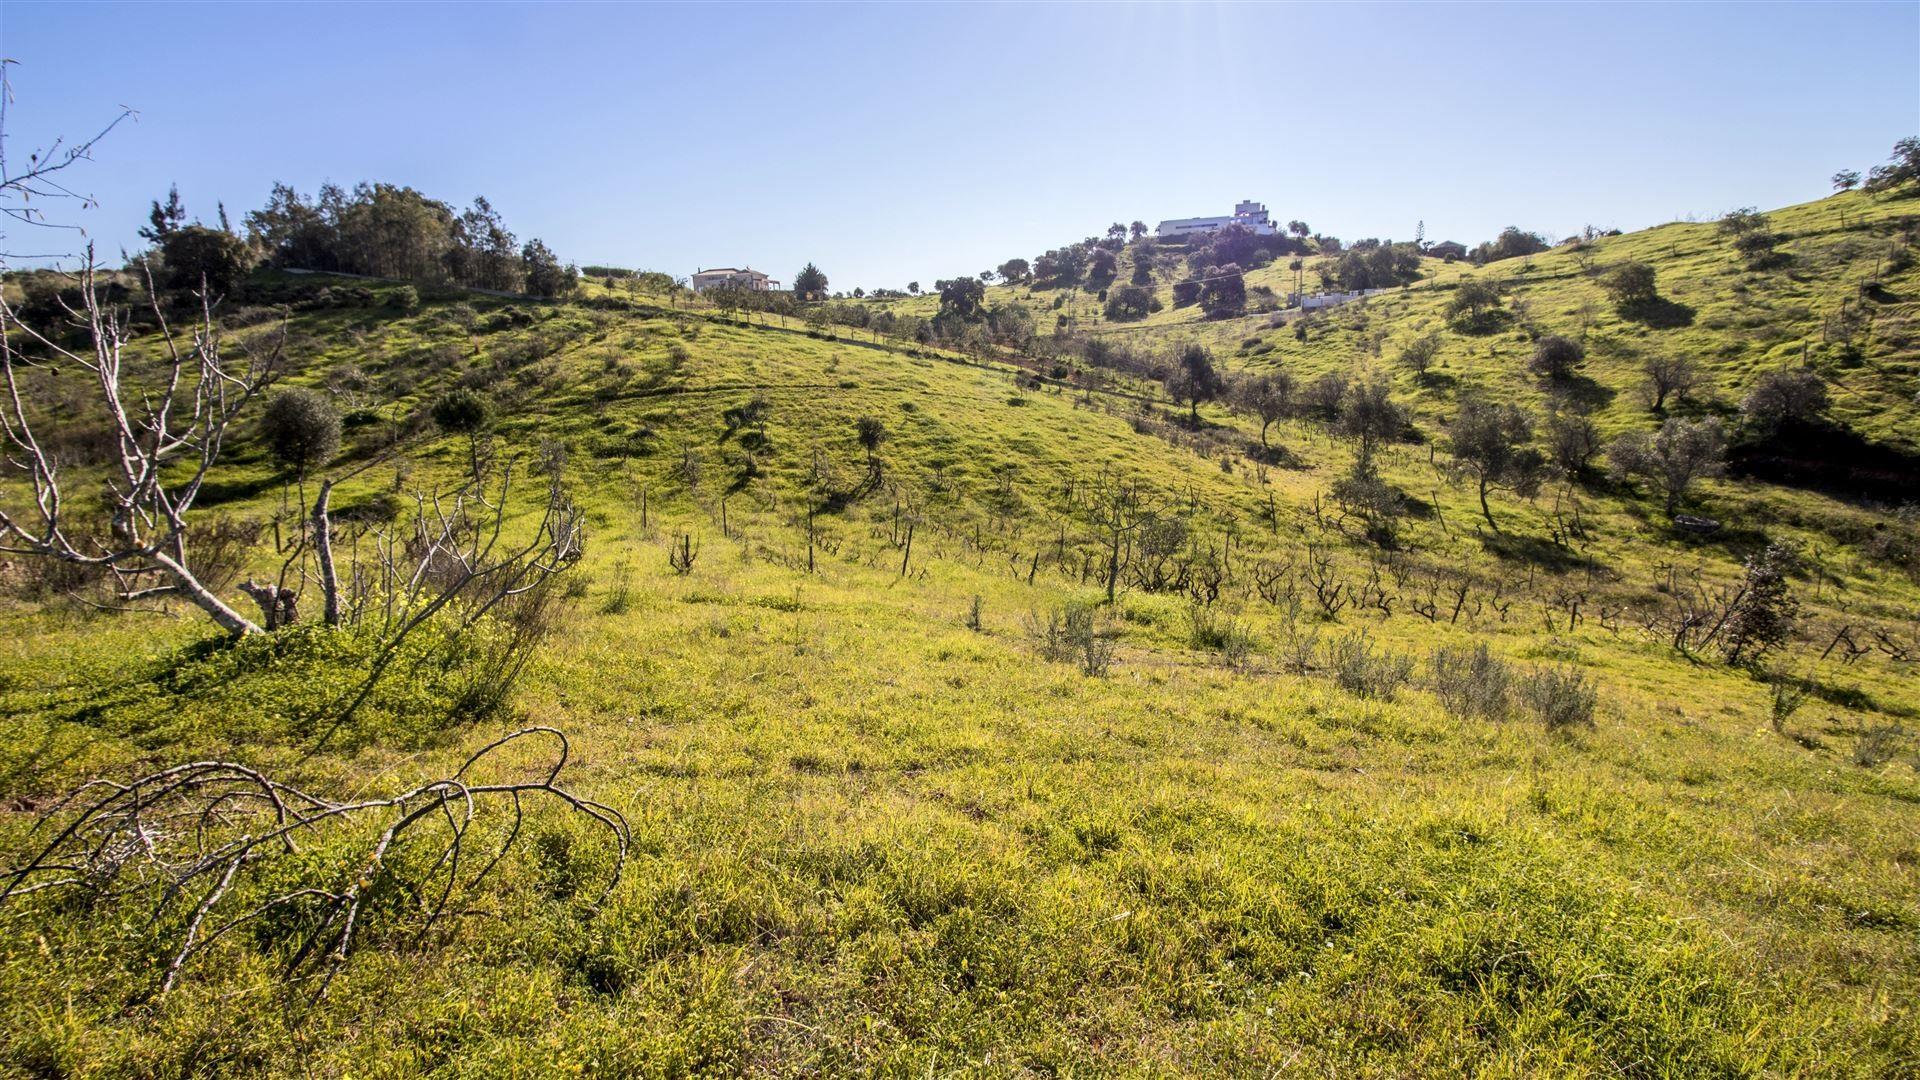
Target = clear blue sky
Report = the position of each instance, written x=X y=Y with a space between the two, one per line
x=890 y=143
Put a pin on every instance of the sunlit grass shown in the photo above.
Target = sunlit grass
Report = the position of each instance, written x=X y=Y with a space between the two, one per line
x=870 y=837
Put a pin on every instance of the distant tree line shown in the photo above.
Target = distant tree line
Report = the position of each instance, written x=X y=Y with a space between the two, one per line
x=387 y=230
x=1215 y=265
x=1902 y=170
x=1376 y=264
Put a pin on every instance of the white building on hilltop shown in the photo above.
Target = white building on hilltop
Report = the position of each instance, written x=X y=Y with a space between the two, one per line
x=745 y=277
x=1250 y=214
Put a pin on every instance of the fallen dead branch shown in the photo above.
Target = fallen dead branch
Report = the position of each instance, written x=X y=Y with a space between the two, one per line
x=196 y=836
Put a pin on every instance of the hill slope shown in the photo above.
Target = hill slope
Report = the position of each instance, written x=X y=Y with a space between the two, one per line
x=885 y=818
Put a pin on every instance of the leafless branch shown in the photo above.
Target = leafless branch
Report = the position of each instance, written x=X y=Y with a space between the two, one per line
x=41 y=181
x=160 y=412
x=197 y=839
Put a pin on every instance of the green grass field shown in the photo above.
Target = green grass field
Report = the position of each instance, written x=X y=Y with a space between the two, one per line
x=870 y=836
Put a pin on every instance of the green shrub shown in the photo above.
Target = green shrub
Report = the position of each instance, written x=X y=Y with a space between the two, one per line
x=1472 y=682
x=1560 y=697
x=1556 y=357
x=1631 y=285
x=1360 y=670
x=1073 y=635
x=1210 y=631
x=1877 y=745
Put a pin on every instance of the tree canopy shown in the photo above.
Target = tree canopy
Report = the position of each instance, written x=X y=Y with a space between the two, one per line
x=1901 y=169
x=1672 y=459
x=302 y=429
x=1194 y=380
x=962 y=300
x=1223 y=292
x=164 y=219
x=387 y=230
x=810 y=283
x=1630 y=285
x=1512 y=242
x=1492 y=443
x=196 y=256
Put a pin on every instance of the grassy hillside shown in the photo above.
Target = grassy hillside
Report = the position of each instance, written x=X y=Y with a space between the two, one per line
x=879 y=825
x=1737 y=321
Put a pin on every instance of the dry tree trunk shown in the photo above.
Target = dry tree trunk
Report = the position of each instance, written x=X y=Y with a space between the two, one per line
x=160 y=412
x=323 y=554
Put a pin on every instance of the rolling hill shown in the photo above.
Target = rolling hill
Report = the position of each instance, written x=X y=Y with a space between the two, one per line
x=1045 y=733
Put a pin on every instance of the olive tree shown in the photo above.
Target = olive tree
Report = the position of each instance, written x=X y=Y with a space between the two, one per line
x=1631 y=285
x=1668 y=376
x=1194 y=379
x=302 y=429
x=1573 y=441
x=1785 y=398
x=1475 y=308
x=1268 y=396
x=1555 y=357
x=1419 y=354
x=1492 y=443
x=1369 y=418
x=1681 y=453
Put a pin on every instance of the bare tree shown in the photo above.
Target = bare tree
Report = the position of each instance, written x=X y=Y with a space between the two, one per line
x=1118 y=509
x=454 y=559
x=167 y=409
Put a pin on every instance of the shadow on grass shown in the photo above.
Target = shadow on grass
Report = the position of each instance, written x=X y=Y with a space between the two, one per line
x=1831 y=459
x=1736 y=540
x=215 y=492
x=1535 y=550
x=1846 y=697
x=1277 y=456
x=1658 y=313
x=1583 y=392
x=1483 y=323
x=21 y=778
